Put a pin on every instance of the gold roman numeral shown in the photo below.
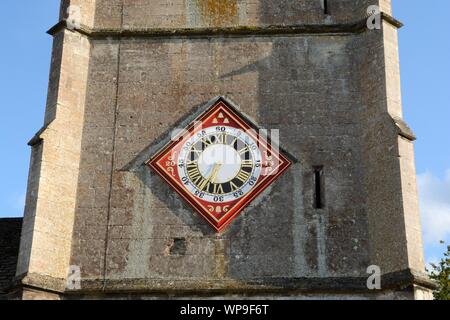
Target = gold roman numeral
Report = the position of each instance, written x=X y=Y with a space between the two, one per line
x=205 y=187
x=198 y=181
x=243 y=176
x=217 y=188
x=234 y=142
x=244 y=150
x=194 y=174
x=207 y=141
x=233 y=186
x=221 y=138
x=191 y=165
x=247 y=163
x=194 y=149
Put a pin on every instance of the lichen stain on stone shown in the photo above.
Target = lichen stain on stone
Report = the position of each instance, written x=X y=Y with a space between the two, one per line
x=218 y=12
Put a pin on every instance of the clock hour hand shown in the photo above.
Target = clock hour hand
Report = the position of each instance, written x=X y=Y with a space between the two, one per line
x=212 y=176
x=215 y=172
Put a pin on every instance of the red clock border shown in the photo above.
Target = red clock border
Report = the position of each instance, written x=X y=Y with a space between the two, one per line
x=220 y=106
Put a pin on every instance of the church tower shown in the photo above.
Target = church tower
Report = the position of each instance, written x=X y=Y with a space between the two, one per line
x=103 y=219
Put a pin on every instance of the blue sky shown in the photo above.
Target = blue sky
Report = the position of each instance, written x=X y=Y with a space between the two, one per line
x=425 y=67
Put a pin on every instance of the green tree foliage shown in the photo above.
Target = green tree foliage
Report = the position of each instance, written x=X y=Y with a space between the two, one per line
x=441 y=274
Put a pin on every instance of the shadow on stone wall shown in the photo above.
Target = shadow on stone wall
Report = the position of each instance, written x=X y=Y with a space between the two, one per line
x=303 y=89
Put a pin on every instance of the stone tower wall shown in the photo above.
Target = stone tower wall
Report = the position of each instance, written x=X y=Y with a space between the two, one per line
x=112 y=14
x=134 y=70
x=53 y=179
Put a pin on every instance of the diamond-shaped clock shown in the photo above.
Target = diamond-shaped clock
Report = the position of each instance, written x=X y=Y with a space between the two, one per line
x=220 y=163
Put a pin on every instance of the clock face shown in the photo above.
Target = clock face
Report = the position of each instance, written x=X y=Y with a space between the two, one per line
x=219 y=164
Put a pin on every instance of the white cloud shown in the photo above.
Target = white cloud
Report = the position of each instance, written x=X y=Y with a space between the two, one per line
x=434 y=196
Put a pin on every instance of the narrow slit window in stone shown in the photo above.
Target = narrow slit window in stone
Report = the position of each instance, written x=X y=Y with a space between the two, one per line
x=318 y=187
